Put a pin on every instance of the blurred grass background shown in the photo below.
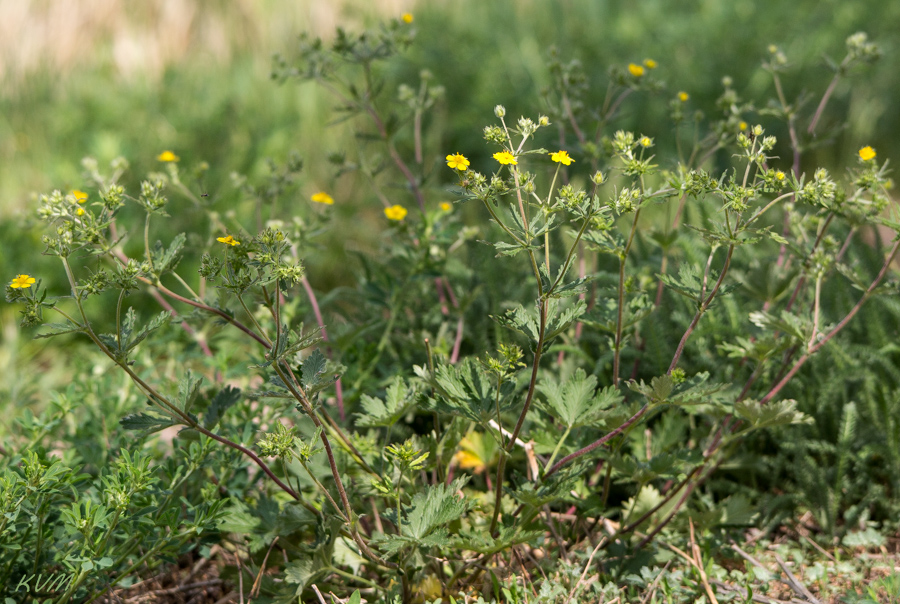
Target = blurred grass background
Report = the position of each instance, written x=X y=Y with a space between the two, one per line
x=109 y=77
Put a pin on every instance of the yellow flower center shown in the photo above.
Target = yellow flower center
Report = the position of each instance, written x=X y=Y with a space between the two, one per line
x=505 y=158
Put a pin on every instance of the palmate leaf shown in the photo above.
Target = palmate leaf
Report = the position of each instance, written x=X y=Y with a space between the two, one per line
x=435 y=507
x=399 y=401
x=480 y=541
x=664 y=390
x=776 y=413
x=576 y=401
x=426 y=517
x=467 y=390
x=785 y=322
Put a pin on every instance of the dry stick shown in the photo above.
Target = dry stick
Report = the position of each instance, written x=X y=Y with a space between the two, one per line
x=587 y=566
x=254 y=591
x=794 y=584
x=695 y=550
x=655 y=584
x=168 y=591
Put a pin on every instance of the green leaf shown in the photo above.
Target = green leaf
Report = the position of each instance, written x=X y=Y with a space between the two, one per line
x=187 y=390
x=59 y=329
x=435 y=507
x=784 y=322
x=166 y=260
x=399 y=401
x=312 y=370
x=777 y=413
x=355 y=598
x=224 y=398
x=664 y=390
x=467 y=390
x=144 y=421
x=576 y=401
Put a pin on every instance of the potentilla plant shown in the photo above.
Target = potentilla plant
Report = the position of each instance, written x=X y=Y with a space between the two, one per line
x=611 y=386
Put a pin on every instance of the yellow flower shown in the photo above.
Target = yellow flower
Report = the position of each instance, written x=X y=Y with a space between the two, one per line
x=457 y=161
x=635 y=70
x=395 y=212
x=779 y=175
x=167 y=156
x=407 y=17
x=561 y=157
x=80 y=211
x=650 y=63
x=322 y=197
x=867 y=153
x=445 y=206
x=505 y=157
x=683 y=97
x=742 y=126
x=23 y=281
x=229 y=240
x=645 y=141
x=80 y=196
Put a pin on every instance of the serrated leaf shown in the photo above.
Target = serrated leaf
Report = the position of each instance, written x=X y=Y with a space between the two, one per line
x=187 y=390
x=58 y=329
x=558 y=323
x=312 y=369
x=467 y=390
x=146 y=422
x=777 y=413
x=399 y=400
x=224 y=398
x=435 y=507
x=166 y=260
x=785 y=322
x=576 y=401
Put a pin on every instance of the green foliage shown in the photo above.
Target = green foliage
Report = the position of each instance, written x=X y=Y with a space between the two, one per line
x=571 y=390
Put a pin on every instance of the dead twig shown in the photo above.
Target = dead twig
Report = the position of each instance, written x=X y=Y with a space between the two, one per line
x=794 y=584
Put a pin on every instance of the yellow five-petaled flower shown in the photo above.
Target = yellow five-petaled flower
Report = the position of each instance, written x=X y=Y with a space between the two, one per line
x=23 y=281
x=457 y=161
x=650 y=63
x=167 y=156
x=229 y=240
x=80 y=196
x=395 y=212
x=645 y=141
x=779 y=175
x=406 y=18
x=562 y=157
x=505 y=157
x=867 y=153
x=445 y=206
x=635 y=70
x=683 y=96
x=322 y=197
